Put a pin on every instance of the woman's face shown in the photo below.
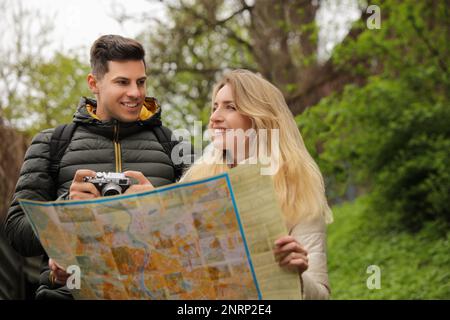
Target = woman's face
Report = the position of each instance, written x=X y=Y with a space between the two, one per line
x=225 y=121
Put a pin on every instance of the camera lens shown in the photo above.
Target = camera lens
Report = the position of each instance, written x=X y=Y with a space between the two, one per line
x=111 y=189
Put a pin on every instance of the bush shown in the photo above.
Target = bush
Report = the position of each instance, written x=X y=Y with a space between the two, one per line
x=391 y=136
x=411 y=266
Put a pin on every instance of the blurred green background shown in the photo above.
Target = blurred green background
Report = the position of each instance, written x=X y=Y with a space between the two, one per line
x=368 y=83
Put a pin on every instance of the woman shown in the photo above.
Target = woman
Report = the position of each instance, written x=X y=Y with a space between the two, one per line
x=245 y=101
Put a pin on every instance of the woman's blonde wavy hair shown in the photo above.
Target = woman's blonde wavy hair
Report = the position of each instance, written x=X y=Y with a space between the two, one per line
x=298 y=182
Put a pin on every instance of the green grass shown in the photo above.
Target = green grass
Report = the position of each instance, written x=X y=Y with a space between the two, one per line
x=413 y=266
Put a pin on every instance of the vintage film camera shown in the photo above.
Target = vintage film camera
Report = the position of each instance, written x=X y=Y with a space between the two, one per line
x=109 y=183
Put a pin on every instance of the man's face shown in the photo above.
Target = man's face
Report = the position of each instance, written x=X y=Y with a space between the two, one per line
x=121 y=92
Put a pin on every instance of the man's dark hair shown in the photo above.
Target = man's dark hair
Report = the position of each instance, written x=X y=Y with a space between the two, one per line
x=113 y=48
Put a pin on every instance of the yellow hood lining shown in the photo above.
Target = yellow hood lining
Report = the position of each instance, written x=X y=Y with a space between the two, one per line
x=150 y=108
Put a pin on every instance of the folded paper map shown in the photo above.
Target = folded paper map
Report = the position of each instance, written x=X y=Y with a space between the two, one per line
x=206 y=239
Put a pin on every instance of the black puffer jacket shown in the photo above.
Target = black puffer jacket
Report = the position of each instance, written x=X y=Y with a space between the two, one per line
x=99 y=146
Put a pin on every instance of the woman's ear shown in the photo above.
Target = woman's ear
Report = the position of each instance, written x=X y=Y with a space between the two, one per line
x=92 y=83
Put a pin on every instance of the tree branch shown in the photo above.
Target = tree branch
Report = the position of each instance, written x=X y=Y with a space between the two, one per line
x=429 y=46
x=220 y=23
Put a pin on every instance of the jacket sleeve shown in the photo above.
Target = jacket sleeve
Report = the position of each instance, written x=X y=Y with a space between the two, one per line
x=314 y=281
x=34 y=183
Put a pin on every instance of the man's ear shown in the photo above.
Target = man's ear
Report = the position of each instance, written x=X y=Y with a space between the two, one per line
x=92 y=83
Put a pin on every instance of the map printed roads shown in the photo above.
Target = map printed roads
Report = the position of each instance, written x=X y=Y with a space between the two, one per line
x=207 y=239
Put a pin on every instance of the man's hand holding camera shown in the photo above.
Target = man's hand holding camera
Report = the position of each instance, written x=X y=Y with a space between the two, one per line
x=88 y=184
x=80 y=190
x=142 y=185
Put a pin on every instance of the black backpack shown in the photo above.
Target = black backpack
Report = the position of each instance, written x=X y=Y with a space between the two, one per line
x=62 y=135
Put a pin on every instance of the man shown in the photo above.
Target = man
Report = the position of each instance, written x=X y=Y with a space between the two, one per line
x=117 y=132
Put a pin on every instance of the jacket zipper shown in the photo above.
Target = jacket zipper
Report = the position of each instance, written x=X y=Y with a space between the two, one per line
x=117 y=149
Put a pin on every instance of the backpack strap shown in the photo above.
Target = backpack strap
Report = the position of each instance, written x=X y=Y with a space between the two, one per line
x=168 y=144
x=164 y=140
x=60 y=140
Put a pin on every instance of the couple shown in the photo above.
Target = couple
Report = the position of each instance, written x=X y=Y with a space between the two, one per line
x=121 y=131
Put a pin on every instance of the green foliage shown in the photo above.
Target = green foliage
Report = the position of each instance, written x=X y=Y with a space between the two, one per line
x=38 y=90
x=393 y=133
x=201 y=39
x=57 y=88
x=49 y=94
x=186 y=56
x=412 y=266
